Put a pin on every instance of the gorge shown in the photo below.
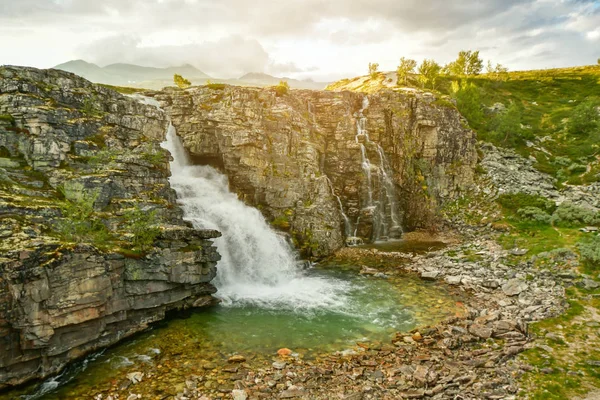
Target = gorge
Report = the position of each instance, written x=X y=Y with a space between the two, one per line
x=118 y=212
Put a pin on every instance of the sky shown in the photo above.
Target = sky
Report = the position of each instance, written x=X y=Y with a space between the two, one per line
x=322 y=40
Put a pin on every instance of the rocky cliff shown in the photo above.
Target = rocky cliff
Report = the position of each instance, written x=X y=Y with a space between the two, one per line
x=93 y=246
x=330 y=165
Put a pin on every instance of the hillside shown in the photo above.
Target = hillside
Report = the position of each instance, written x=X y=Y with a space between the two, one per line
x=545 y=102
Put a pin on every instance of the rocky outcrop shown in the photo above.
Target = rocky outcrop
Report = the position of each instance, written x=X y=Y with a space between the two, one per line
x=93 y=246
x=327 y=165
x=511 y=173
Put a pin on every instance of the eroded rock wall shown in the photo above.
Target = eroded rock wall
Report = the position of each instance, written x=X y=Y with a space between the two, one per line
x=62 y=297
x=290 y=155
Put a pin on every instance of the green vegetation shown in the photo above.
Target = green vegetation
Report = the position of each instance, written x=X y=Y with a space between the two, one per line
x=373 y=70
x=154 y=156
x=7 y=118
x=282 y=88
x=429 y=73
x=122 y=89
x=144 y=225
x=585 y=118
x=79 y=222
x=181 y=82
x=215 y=86
x=467 y=63
x=406 y=67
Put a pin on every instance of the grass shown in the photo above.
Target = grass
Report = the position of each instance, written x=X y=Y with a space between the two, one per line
x=122 y=89
x=572 y=339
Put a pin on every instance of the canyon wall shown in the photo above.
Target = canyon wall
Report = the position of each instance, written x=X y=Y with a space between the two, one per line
x=81 y=168
x=326 y=166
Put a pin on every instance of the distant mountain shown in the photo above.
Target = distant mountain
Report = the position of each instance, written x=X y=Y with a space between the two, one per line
x=262 y=79
x=156 y=78
x=133 y=75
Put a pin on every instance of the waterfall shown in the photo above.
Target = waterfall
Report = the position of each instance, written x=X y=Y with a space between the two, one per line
x=257 y=265
x=385 y=210
x=347 y=225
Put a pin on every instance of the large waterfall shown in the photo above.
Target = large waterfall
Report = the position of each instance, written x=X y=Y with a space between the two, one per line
x=258 y=266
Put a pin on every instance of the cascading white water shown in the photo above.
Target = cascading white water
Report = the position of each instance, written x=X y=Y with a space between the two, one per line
x=257 y=265
x=386 y=222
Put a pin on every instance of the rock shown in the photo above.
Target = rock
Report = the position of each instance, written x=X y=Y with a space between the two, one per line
x=514 y=287
x=430 y=275
x=368 y=271
x=237 y=358
x=296 y=178
x=480 y=331
x=454 y=279
x=279 y=365
x=237 y=394
x=519 y=252
x=66 y=300
x=135 y=377
x=284 y=352
x=417 y=337
x=292 y=392
x=590 y=284
x=420 y=375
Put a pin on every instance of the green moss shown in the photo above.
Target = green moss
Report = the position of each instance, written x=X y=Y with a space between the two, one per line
x=7 y=118
x=216 y=86
x=122 y=89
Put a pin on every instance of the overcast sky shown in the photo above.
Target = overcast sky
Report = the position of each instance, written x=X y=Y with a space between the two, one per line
x=320 y=39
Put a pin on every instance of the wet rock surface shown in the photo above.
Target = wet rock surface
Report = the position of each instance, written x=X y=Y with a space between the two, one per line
x=60 y=299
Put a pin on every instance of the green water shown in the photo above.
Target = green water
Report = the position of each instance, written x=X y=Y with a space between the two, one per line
x=201 y=342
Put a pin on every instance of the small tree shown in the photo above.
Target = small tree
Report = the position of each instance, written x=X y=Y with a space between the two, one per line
x=406 y=67
x=282 y=88
x=181 y=82
x=373 y=70
x=508 y=124
x=467 y=63
x=143 y=225
x=584 y=118
x=498 y=72
x=429 y=72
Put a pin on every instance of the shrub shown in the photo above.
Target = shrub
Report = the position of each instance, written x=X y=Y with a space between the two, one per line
x=590 y=251
x=143 y=224
x=215 y=86
x=584 y=118
x=515 y=201
x=153 y=156
x=79 y=222
x=373 y=70
x=569 y=215
x=181 y=82
x=282 y=88
x=468 y=102
x=535 y=214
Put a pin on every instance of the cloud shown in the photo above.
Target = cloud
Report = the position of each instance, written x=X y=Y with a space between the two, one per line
x=227 y=57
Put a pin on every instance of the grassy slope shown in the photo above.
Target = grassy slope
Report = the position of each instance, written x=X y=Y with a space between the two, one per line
x=561 y=368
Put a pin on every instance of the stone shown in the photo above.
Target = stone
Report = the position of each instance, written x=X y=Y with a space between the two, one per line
x=417 y=336
x=237 y=394
x=237 y=358
x=480 y=331
x=590 y=284
x=514 y=287
x=430 y=275
x=279 y=365
x=292 y=392
x=135 y=377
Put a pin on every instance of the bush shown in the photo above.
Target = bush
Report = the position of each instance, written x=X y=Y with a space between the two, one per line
x=373 y=70
x=569 y=215
x=584 y=119
x=468 y=102
x=143 y=225
x=515 y=201
x=153 y=156
x=282 y=89
x=535 y=214
x=181 y=82
x=590 y=251
x=79 y=223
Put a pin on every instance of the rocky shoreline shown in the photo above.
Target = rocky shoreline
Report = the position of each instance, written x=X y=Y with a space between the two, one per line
x=469 y=356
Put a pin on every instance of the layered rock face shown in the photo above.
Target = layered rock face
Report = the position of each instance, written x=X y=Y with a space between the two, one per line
x=329 y=165
x=71 y=283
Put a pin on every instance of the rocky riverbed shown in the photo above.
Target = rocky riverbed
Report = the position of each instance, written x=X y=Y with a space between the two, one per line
x=471 y=354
